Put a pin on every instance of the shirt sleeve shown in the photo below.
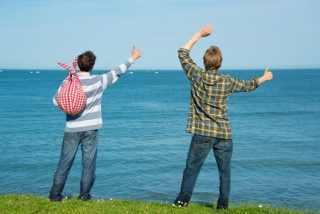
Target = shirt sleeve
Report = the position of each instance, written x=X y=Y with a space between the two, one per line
x=112 y=76
x=238 y=85
x=54 y=99
x=190 y=68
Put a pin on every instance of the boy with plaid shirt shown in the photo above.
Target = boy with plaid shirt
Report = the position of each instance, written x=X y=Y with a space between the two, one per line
x=208 y=117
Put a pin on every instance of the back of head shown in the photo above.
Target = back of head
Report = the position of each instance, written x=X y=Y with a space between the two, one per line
x=86 y=61
x=212 y=58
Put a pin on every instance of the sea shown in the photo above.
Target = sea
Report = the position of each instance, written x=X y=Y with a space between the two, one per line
x=143 y=144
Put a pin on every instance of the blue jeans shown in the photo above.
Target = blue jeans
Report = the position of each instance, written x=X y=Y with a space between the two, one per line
x=199 y=149
x=71 y=142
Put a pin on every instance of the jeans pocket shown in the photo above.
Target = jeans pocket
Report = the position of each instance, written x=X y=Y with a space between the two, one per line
x=224 y=145
x=201 y=143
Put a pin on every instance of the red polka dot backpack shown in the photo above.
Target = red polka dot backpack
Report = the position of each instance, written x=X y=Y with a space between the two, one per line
x=71 y=98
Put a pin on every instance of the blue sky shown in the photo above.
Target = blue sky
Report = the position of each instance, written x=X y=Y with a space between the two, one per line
x=251 y=34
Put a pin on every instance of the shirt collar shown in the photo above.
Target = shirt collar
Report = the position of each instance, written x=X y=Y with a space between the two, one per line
x=84 y=73
x=213 y=71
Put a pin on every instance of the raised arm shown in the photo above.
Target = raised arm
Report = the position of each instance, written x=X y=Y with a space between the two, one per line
x=191 y=69
x=112 y=76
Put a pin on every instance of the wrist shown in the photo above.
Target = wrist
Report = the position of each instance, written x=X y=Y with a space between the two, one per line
x=262 y=79
x=131 y=59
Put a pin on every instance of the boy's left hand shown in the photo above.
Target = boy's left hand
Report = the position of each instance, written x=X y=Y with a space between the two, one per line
x=268 y=74
x=136 y=53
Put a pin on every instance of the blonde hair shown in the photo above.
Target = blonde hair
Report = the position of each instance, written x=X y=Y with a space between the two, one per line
x=212 y=58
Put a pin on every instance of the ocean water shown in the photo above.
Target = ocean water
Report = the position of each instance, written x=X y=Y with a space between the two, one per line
x=143 y=144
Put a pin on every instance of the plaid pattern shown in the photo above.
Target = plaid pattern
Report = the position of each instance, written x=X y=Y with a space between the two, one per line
x=71 y=98
x=209 y=95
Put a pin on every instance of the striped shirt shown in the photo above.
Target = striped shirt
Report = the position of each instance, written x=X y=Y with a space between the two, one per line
x=93 y=86
x=209 y=96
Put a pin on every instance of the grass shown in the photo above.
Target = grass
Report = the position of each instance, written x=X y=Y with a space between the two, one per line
x=35 y=204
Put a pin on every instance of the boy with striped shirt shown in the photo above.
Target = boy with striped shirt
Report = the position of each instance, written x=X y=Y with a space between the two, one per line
x=82 y=130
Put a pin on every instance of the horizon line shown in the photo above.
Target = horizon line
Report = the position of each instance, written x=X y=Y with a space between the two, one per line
x=167 y=69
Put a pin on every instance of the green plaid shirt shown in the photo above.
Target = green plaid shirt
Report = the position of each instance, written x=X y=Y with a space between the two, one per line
x=209 y=95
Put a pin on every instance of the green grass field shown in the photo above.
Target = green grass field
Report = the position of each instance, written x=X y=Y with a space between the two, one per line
x=35 y=204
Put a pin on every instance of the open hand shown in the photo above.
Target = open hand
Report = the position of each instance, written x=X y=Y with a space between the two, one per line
x=135 y=53
x=206 y=31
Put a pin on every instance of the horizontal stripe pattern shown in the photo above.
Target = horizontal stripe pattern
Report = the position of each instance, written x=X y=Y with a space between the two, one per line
x=113 y=75
x=93 y=86
x=92 y=109
x=80 y=124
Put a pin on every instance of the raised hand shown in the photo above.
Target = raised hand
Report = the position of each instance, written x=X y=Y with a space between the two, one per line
x=206 y=31
x=268 y=74
x=136 y=53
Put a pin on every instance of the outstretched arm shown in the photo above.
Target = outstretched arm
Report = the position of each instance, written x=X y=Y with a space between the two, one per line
x=266 y=76
x=112 y=76
x=190 y=68
x=238 y=85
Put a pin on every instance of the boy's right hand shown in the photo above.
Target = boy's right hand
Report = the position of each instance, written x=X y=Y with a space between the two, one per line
x=135 y=53
x=206 y=31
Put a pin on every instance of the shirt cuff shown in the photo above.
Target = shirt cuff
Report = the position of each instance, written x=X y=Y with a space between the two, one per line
x=130 y=60
x=184 y=49
x=257 y=82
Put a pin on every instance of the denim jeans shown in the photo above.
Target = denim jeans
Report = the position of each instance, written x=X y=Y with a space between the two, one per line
x=199 y=149
x=88 y=140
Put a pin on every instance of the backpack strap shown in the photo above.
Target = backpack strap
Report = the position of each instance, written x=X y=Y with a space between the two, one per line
x=72 y=70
